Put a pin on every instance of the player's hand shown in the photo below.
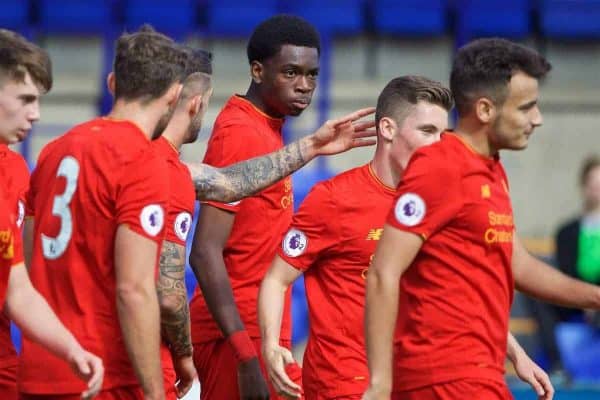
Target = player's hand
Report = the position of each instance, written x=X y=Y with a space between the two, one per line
x=186 y=374
x=276 y=359
x=529 y=372
x=89 y=368
x=251 y=382
x=375 y=393
x=341 y=134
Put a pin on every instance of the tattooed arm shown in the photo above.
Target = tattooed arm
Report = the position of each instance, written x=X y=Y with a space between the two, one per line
x=175 y=312
x=246 y=178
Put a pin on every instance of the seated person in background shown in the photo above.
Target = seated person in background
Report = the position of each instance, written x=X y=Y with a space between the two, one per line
x=577 y=255
x=578 y=241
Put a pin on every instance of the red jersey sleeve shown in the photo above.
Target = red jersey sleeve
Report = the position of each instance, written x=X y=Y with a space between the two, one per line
x=229 y=145
x=428 y=195
x=142 y=197
x=312 y=231
x=11 y=246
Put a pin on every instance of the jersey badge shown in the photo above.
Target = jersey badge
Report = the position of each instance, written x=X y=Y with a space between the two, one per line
x=294 y=243
x=21 y=213
x=152 y=219
x=183 y=222
x=410 y=209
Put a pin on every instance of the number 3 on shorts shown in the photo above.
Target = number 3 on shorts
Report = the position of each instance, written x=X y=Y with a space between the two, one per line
x=54 y=247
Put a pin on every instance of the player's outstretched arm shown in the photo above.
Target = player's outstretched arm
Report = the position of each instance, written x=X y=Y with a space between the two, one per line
x=528 y=371
x=206 y=259
x=248 y=177
x=137 y=306
x=542 y=281
x=395 y=252
x=271 y=300
x=175 y=313
x=30 y=311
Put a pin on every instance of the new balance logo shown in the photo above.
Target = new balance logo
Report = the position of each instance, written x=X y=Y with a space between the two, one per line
x=374 y=234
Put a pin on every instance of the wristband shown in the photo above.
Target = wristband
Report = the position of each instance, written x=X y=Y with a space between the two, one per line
x=243 y=347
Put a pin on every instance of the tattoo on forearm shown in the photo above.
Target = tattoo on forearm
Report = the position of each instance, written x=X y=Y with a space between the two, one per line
x=248 y=177
x=172 y=295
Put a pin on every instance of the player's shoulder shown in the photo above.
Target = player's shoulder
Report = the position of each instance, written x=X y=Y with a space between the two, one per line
x=445 y=154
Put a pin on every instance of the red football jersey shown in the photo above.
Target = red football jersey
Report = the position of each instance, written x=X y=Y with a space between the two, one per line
x=179 y=216
x=97 y=176
x=332 y=238
x=241 y=132
x=16 y=174
x=11 y=245
x=182 y=199
x=455 y=297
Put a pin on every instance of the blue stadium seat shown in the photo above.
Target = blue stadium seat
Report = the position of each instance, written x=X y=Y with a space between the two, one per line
x=506 y=18
x=570 y=19
x=15 y=16
x=579 y=347
x=76 y=16
x=410 y=17
x=331 y=16
x=176 y=18
x=237 y=18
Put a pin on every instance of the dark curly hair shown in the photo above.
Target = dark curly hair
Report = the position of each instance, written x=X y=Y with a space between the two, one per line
x=484 y=67
x=271 y=34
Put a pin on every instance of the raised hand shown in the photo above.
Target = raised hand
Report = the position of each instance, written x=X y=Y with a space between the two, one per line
x=345 y=133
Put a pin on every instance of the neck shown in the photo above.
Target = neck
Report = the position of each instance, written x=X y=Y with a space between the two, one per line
x=253 y=96
x=384 y=169
x=175 y=131
x=476 y=135
x=145 y=117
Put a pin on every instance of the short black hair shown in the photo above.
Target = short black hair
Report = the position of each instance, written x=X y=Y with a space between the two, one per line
x=279 y=30
x=484 y=67
x=401 y=93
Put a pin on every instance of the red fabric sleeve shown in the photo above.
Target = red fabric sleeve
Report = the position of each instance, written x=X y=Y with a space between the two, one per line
x=142 y=197
x=229 y=145
x=428 y=196
x=312 y=231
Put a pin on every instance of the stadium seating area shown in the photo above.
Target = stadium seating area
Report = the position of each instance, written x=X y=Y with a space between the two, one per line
x=466 y=18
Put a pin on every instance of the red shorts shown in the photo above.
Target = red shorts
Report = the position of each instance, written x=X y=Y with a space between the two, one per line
x=8 y=383
x=121 y=393
x=217 y=370
x=458 y=390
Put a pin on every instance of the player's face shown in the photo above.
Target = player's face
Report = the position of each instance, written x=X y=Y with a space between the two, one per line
x=19 y=109
x=519 y=115
x=196 y=123
x=591 y=189
x=421 y=127
x=289 y=79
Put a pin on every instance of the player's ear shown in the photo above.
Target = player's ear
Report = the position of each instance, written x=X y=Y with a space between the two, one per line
x=172 y=95
x=195 y=105
x=111 y=83
x=485 y=109
x=256 y=71
x=387 y=128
